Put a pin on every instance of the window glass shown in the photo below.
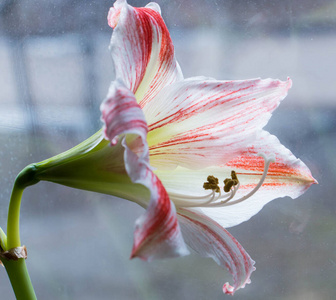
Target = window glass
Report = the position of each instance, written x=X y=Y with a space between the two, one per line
x=55 y=71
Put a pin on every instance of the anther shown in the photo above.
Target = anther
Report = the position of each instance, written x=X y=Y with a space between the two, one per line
x=230 y=182
x=212 y=184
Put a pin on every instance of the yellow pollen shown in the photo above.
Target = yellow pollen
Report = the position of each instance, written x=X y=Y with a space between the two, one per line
x=212 y=184
x=230 y=182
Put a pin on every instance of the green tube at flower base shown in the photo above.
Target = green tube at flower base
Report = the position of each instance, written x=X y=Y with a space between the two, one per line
x=92 y=165
x=84 y=167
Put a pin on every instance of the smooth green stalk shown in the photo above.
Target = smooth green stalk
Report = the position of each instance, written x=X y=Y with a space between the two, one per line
x=17 y=269
x=19 y=278
x=13 y=231
x=26 y=178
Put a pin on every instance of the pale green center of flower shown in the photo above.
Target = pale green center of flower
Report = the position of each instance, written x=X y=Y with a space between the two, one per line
x=215 y=198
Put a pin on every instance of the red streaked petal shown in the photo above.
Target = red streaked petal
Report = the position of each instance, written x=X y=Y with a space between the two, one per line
x=285 y=168
x=114 y=13
x=142 y=49
x=200 y=122
x=121 y=114
x=209 y=239
x=287 y=176
x=157 y=233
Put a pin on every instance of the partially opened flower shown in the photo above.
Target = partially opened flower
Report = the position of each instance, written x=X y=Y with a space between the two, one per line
x=190 y=151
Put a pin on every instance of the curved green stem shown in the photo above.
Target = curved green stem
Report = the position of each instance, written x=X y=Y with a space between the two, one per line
x=13 y=222
x=27 y=177
x=17 y=269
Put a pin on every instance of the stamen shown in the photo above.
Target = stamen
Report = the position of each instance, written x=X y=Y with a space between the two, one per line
x=215 y=198
x=191 y=201
x=226 y=198
x=268 y=161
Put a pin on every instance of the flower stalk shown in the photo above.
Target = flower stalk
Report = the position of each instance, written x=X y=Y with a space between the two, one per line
x=19 y=277
x=16 y=267
x=25 y=178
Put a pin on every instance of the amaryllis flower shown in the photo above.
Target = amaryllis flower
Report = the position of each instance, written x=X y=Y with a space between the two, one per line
x=191 y=151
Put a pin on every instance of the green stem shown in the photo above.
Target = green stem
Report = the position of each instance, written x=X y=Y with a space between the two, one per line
x=17 y=269
x=25 y=178
x=13 y=222
x=19 y=278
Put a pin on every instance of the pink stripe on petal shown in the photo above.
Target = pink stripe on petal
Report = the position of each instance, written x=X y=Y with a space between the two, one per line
x=142 y=50
x=287 y=176
x=287 y=170
x=157 y=233
x=121 y=114
x=209 y=239
x=114 y=13
x=200 y=122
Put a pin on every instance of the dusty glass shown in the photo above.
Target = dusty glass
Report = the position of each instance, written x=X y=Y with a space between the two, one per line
x=55 y=71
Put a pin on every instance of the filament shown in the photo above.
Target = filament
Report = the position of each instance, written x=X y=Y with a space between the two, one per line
x=215 y=198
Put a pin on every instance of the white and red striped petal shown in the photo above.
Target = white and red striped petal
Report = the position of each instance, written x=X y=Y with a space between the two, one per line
x=209 y=239
x=142 y=50
x=287 y=176
x=157 y=233
x=201 y=122
x=121 y=114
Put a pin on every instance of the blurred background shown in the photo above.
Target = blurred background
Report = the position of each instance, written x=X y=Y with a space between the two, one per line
x=55 y=70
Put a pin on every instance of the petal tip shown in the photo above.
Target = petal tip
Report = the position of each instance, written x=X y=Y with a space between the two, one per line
x=114 y=141
x=228 y=289
x=308 y=178
x=289 y=83
x=141 y=250
x=313 y=180
x=154 y=6
x=114 y=13
x=136 y=253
